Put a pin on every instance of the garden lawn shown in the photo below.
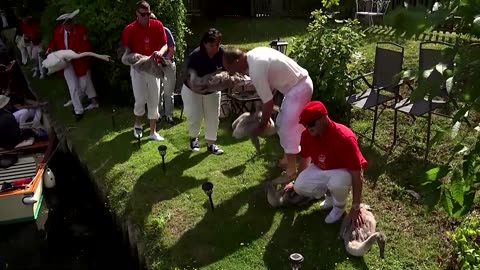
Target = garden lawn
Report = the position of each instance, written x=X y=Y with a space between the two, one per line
x=180 y=231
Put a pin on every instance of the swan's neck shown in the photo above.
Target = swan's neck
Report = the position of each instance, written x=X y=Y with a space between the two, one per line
x=360 y=248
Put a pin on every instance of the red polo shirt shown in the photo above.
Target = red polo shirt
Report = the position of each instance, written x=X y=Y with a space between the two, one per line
x=144 y=39
x=77 y=42
x=337 y=148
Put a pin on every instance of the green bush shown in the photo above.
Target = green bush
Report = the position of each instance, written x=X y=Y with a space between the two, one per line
x=466 y=239
x=105 y=21
x=327 y=52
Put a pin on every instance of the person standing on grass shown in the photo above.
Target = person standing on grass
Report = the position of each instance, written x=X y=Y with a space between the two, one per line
x=68 y=35
x=145 y=36
x=204 y=60
x=168 y=85
x=30 y=28
x=270 y=69
x=331 y=163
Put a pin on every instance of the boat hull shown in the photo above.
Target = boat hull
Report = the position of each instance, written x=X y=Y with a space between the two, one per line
x=22 y=205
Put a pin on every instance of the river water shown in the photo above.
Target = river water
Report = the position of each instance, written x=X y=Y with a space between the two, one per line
x=74 y=230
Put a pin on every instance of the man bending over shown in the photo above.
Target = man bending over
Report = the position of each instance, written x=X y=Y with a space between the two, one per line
x=337 y=163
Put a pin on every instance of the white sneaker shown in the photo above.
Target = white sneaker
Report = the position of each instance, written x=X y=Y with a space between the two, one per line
x=156 y=137
x=92 y=106
x=334 y=215
x=42 y=76
x=327 y=203
x=137 y=132
x=69 y=103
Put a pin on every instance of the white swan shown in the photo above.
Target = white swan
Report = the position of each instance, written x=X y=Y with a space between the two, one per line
x=246 y=124
x=58 y=60
x=359 y=240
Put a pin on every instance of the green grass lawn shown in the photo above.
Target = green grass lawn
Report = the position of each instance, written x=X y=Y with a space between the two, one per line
x=172 y=212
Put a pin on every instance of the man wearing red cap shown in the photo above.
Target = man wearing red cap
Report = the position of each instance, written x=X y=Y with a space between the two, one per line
x=337 y=163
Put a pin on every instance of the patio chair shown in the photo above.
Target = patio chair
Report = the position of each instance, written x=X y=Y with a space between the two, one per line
x=371 y=9
x=426 y=106
x=385 y=84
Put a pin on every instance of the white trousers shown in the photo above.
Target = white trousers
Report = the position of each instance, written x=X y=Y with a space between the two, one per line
x=166 y=99
x=288 y=127
x=314 y=182
x=23 y=115
x=198 y=107
x=36 y=50
x=146 y=90
x=25 y=49
x=78 y=87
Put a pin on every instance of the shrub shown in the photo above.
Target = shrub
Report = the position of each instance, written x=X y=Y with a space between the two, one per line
x=466 y=239
x=105 y=21
x=327 y=52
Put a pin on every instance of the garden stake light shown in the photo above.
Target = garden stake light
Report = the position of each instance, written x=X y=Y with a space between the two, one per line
x=208 y=189
x=296 y=261
x=113 y=119
x=162 y=149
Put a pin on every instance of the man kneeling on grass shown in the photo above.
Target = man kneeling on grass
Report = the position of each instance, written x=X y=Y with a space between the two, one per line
x=337 y=163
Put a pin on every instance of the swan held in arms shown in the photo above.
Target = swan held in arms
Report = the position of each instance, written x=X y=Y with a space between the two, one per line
x=215 y=81
x=277 y=198
x=149 y=64
x=246 y=124
x=359 y=240
x=58 y=60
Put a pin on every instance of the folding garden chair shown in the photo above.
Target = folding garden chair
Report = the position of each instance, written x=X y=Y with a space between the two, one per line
x=385 y=85
x=427 y=105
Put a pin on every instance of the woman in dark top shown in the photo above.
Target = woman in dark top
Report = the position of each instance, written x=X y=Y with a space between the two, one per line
x=198 y=103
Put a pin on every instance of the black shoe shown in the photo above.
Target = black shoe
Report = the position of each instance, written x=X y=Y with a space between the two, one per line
x=78 y=117
x=214 y=149
x=194 y=144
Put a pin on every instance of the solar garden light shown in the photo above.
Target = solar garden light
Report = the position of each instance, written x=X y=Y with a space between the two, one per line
x=279 y=45
x=296 y=261
x=208 y=189
x=113 y=119
x=139 y=142
x=162 y=149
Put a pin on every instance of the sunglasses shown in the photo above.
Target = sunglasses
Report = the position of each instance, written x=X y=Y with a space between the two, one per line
x=144 y=14
x=311 y=123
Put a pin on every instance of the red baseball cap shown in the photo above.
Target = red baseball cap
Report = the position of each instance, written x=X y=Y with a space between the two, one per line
x=312 y=111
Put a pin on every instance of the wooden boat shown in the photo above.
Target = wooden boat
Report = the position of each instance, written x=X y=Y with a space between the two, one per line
x=21 y=184
x=22 y=181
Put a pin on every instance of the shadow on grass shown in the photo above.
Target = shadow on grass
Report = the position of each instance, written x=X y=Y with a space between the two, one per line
x=319 y=244
x=218 y=235
x=407 y=170
x=154 y=186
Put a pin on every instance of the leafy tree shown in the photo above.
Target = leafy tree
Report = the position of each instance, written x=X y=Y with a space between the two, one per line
x=105 y=20
x=459 y=182
x=327 y=51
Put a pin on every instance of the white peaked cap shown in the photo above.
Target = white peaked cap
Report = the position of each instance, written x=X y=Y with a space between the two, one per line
x=68 y=16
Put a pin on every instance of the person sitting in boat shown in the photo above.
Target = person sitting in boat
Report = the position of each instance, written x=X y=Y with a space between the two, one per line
x=24 y=109
x=10 y=133
x=73 y=36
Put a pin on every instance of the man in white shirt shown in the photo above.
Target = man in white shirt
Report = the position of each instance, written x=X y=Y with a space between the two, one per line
x=270 y=69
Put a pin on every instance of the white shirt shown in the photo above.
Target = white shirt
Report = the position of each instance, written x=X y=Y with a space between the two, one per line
x=65 y=38
x=270 y=69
